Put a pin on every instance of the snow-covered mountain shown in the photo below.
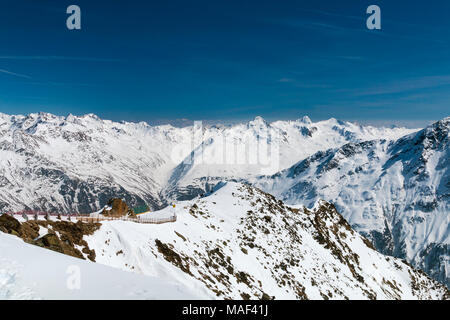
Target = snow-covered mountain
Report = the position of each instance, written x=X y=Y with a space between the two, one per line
x=242 y=243
x=258 y=147
x=76 y=164
x=397 y=193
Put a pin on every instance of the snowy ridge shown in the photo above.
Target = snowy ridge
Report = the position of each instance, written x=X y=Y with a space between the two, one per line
x=395 y=192
x=240 y=242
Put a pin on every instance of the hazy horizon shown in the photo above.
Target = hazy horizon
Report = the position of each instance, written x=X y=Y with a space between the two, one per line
x=182 y=122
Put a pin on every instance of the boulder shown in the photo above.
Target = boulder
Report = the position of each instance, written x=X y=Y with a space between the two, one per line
x=10 y=224
x=119 y=208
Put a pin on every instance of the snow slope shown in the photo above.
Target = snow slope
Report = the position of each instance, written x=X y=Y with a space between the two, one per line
x=31 y=272
x=395 y=192
x=240 y=242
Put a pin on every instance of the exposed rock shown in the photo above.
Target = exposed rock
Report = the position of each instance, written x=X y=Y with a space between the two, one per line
x=9 y=224
x=63 y=236
x=119 y=208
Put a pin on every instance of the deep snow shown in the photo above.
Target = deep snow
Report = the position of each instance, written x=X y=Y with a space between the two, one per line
x=31 y=272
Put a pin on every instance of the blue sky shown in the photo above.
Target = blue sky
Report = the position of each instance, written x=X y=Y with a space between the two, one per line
x=227 y=60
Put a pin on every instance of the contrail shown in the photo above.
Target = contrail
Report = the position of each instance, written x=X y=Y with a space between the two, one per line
x=14 y=74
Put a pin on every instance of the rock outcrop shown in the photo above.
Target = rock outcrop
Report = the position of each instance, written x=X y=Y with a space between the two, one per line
x=118 y=208
x=60 y=236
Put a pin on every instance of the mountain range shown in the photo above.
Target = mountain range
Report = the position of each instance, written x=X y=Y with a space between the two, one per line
x=390 y=184
x=76 y=164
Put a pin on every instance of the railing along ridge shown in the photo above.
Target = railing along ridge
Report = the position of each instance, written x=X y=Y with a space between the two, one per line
x=86 y=218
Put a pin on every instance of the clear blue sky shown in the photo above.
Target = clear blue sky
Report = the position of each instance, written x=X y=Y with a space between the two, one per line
x=226 y=60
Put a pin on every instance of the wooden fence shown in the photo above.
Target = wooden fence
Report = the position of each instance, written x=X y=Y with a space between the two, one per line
x=137 y=220
x=89 y=219
x=40 y=213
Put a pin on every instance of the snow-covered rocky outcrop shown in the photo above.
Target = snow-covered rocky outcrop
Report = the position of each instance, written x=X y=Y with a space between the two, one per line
x=240 y=242
x=397 y=193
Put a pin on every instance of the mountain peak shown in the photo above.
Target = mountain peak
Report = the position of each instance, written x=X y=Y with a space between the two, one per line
x=434 y=136
x=305 y=120
x=91 y=116
x=444 y=123
x=258 y=121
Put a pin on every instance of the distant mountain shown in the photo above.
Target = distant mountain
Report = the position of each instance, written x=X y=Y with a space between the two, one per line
x=397 y=193
x=258 y=147
x=76 y=164
x=242 y=243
